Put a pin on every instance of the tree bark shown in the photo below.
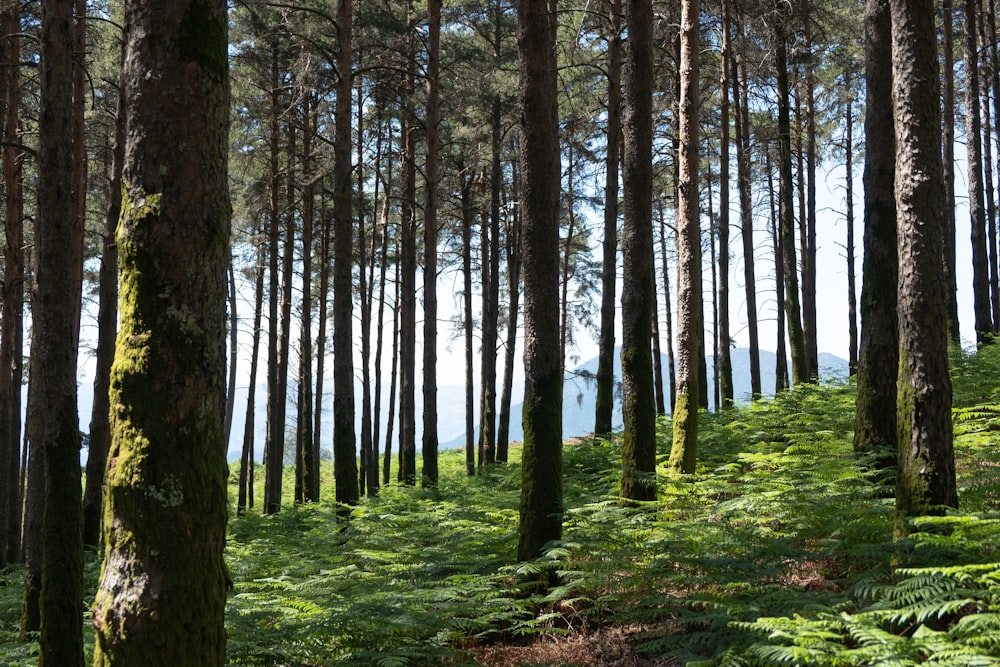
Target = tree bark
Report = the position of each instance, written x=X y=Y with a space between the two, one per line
x=974 y=146
x=724 y=362
x=926 y=470
x=408 y=270
x=163 y=584
x=54 y=345
x=948 y=201
x=683 y=452
x=541 y=504
x=605 y=401
x=430 y=430
x=244 y=496
x=878 y=356
x=344 y=445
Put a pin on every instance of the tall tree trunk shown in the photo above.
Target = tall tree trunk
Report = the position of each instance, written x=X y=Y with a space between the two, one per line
x=514 y=295
x=683 y=452
x=234 y=348
x=786 y=213
x=244 y=496
x=743 y=176
x=926 y=473
x=852 y=299
x=275 y=440
x=780 y=353
x=107 y=329
x=948 y=200
x=491 y=285
x=162 y=591
x=724 y=362
x=345 y=462
x=430 y=435
x=53 y=347
x=809 y=325
x=383 y=267
x=408 y=262
x=658 y=391
x=468 y=216
x=306 y=459
x=12 y=332
x=638 y=408
x=369 y=477
x=989 y=70
x=326 y=230
x=541 y=504
x=878 y=356
x=974 y=146
x=667 y=310
x=605 y=401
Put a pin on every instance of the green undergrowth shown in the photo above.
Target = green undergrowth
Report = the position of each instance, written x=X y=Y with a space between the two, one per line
x=777 y=551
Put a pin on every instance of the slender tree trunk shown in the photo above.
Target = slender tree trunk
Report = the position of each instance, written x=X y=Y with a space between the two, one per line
x=491 y=289
x=392 y=383
x=926 y=472
x=605 y=401
x=408 y=261
x=107 y=330
x=742 y=127
x=786 y=213
x=658 y=392
x=809 y=325
x=53 y=348
x=383 y=267
x=852 y=299
x=12 y=332
x=724 y=362
x=430 y=431
x=234 y=348
x=345 y=462
x=541 y=503
x=162 y=592
x=878 y=356
x=667 y=310
x=245 y=490
x=369 y=477
x=468 y=215
x=683 y=453
x=781 y=356
x=974 y=147
x=989 y=69
x=948 y=201
x=712 y=231
x=326 y=230
x=306 y=461
x=514 y=291
x=275 y=442
x=34 y=503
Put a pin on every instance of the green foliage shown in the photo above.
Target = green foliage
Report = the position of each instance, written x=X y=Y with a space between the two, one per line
x=778 y=550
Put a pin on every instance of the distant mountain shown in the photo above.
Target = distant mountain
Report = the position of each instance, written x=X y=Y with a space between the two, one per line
x=580 y=390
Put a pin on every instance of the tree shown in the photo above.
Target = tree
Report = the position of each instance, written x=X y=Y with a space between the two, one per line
x=724 y=367
x=683 y=451
x=163 y=584
x=541 y=503
x=53 y=349
x=878 y=355
x=977 y=213
x=926 y=472
x=638 y=293
x=786 y=213
x=609 y=277
x=430 y=431
x=344 y=445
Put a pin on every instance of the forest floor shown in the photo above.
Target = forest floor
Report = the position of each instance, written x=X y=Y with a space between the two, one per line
x=778 y=551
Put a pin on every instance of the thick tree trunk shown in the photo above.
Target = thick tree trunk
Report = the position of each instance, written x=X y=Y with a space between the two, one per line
x=345 y=462
x=638 y=407
x=878 y=356
x=163 y=585
x=683 y=452
x=541 y=503
x=926 y=472
x=53 y=348
x=605 y=401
